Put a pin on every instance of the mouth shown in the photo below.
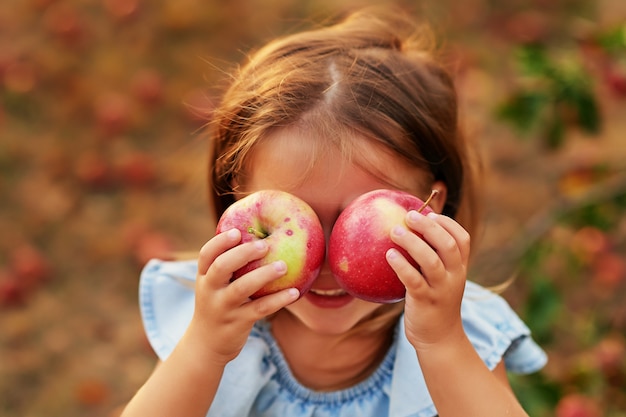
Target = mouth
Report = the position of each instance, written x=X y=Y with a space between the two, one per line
x=328 y=293
x=328 y=299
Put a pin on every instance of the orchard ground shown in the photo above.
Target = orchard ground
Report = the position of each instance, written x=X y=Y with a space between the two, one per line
x=102 y=167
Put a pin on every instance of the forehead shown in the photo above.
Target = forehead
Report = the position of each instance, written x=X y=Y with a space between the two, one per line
x=289 y=157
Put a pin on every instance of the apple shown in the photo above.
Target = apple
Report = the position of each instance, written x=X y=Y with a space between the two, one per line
x=137 y=169
x=577 y=405
x=293 y=233
x=147 y=85
x=360 y=239
x=113 y=113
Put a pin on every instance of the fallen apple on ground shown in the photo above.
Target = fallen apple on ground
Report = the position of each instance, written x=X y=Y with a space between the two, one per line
x=292 y=231
x=360 y=239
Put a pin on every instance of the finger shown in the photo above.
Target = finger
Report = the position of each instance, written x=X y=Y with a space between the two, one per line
x=431 y=266
x=437 y=237
x=214 y=247
x=221 y=270
x=271 y=303
x=460 y=235
x=248 y=284
x=406 y=272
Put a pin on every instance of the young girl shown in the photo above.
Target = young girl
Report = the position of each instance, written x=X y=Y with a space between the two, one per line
x=328 y=115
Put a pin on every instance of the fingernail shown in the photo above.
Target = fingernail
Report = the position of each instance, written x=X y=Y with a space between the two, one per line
x=398 y=230
x=432 y=215
x=392 y=254
x=414 y=216
x=293 y=293
x=260 y=244
x=233 y=233
x=280 y=266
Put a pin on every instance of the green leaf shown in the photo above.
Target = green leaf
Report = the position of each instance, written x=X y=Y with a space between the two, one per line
x=613 y=40
x=534 y=60
x=523 y=110
x=588 y=113
x=543 y=308
x=537 y=394
x=555 y=132
x=554 y=95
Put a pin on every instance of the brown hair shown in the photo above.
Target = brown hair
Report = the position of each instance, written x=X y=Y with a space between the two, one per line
x=375 y=73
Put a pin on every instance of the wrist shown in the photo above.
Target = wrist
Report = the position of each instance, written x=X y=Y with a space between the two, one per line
x=202 y=350
x=454 y=338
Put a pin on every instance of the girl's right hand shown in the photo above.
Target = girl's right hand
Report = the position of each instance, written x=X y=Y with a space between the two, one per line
x=224 y=313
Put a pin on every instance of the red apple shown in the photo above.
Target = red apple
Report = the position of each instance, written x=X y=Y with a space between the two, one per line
x=67 y=23
x=122 y=9
x=137 y=169
x=360 y=239
x=577 y=405
x=147 y=86
x=292 y=231
x=113 y=113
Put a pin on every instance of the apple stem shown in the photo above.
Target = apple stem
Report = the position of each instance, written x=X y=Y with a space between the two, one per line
x=433 y=193
x=257 y=233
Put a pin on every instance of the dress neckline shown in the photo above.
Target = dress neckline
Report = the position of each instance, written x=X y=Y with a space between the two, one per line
x=374 y=383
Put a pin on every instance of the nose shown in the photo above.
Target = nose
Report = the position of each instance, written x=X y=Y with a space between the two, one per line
x=328 y=217
x=327 y=214
x=327 y=227
x=325 y=279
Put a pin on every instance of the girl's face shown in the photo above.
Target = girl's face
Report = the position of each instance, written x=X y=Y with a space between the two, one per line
x=282 y=161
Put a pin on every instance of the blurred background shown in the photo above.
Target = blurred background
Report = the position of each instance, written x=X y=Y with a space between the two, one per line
x=102 y=167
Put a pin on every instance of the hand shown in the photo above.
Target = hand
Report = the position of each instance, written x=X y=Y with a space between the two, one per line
x=224 y=314
x=434 y=290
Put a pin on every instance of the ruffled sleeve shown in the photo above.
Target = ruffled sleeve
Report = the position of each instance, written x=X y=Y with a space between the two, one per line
x=166 y=302
x=496 y=332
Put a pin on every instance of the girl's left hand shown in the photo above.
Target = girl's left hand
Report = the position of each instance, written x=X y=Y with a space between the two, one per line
x=441 y=247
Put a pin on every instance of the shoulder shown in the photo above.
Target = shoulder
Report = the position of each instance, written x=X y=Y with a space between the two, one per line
x=498 y=333
x=166 y=302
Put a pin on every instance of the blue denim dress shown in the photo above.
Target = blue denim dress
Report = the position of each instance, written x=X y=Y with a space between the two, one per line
x=259 y=382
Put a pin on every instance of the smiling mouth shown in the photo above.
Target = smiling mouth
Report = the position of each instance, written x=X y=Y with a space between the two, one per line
x=329 y=293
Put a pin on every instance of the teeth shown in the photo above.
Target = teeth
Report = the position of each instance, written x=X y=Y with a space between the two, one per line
x=329 y=292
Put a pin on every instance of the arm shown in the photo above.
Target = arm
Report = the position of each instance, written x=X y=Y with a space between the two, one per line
x=461 y=384
x=457 y=379
x=186 y=382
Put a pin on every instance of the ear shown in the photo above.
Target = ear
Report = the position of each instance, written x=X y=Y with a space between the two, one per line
x=439 y=200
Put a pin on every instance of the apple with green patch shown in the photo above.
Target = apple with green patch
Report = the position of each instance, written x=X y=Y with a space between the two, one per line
x=292 y=231
x=360 y=239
